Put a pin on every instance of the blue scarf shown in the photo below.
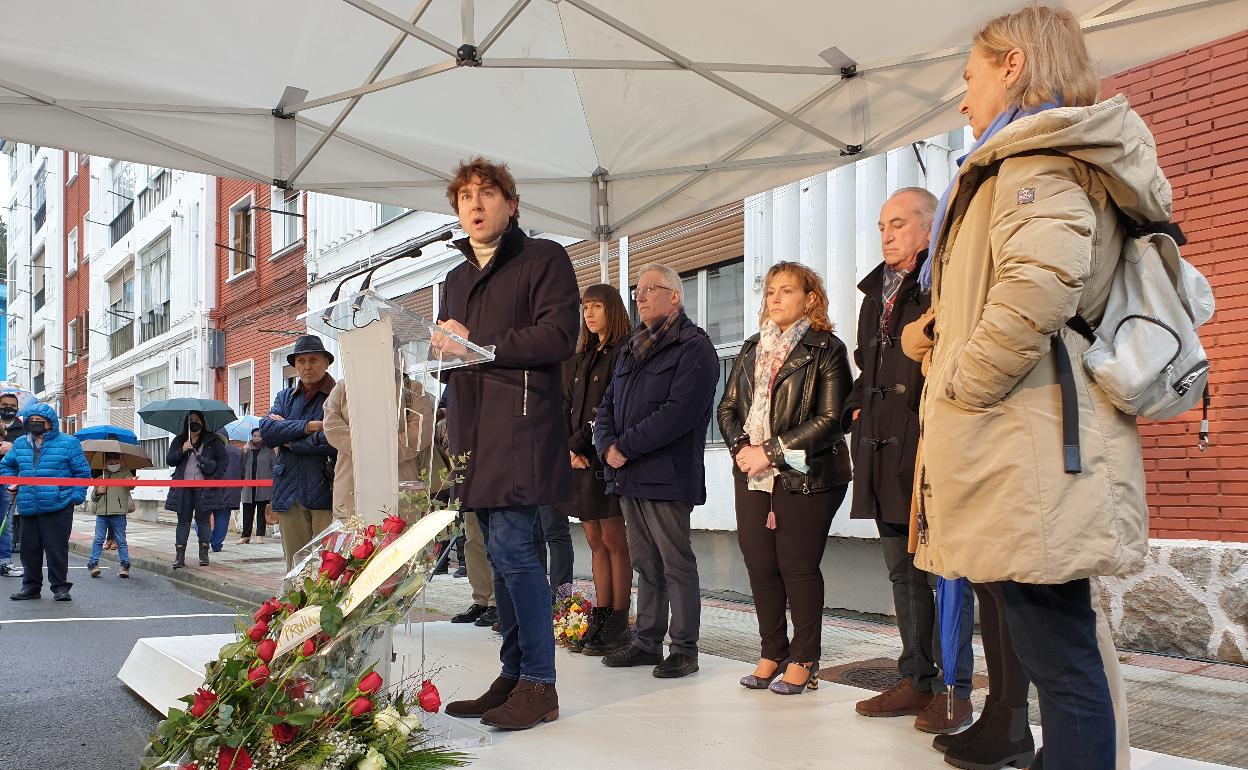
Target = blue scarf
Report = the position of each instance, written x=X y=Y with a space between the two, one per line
x=1001 y=121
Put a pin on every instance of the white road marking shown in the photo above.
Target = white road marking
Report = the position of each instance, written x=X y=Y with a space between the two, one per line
x=130 y=617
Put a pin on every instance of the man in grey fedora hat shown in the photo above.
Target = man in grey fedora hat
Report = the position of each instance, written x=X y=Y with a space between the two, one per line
x=303 y=477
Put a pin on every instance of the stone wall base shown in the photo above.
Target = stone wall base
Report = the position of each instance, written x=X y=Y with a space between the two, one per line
x=1190 y=598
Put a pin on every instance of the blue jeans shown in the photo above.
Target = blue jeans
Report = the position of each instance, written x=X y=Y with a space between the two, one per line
x=6 y=537
x=553 y=533
x=220 y=528
x=521 y=592
x=1053 y=628
x=102 y=524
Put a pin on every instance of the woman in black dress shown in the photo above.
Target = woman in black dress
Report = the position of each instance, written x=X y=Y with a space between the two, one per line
x=604 y=330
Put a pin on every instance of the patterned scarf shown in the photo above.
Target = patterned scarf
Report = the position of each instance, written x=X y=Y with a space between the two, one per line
x=647 y=337
x=773 y=350
x=892 y=282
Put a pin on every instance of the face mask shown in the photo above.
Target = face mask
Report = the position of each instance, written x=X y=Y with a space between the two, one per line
x=114 y=467
x=8 y=413
x=37 y=428
x=196 y=426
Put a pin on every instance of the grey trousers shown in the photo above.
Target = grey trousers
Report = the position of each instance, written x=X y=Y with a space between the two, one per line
x=667 y=574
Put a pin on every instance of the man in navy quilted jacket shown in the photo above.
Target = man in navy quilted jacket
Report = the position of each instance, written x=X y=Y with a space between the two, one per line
x=47 y=511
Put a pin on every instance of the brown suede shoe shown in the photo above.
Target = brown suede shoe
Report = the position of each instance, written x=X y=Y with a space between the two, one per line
x=902 y=700
x=936 y=719
x=528 y=705
x=492 y=699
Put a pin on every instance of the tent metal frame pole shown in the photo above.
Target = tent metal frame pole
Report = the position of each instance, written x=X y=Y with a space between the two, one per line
x=239 y=171
x=634 y=64
x=1094 y=23
x=468 y=22
x=391 y=82
x=706 y=74
x=346 y=110
x=419 y=183
x=501 y=26
x=381 y=14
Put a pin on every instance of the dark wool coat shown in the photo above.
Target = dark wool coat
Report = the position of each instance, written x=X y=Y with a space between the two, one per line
x=888 y=389
x=508 y=414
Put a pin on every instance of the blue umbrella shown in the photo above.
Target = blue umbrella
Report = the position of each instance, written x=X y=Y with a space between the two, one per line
x=949 y=604
x=106 y=433
x=24 y=397
x=240 y=429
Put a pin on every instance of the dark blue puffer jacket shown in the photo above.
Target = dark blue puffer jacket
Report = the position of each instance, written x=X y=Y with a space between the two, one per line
x=303 y=472
x=60 y=457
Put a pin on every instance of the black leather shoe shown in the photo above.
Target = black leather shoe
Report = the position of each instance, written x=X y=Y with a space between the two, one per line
x=632 y=655
x=488 y=618
x=24 y=594
x=471 y=614
x=62 y=595
x=675 y=666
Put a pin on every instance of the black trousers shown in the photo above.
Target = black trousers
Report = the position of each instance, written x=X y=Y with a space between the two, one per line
x=193 y=508
x=1053 y=628
x=46 y=536
x=1007 y=682
x=783 y=564
x=254 y=511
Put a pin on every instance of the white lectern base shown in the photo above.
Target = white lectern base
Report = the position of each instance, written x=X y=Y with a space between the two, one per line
x=621 y=718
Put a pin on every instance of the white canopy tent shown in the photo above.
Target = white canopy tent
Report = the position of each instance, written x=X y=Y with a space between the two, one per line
x=615 y=115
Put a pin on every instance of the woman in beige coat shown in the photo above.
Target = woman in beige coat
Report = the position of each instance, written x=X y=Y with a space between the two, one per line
x=1029 y=235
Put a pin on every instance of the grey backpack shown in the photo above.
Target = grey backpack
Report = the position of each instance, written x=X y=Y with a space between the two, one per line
x=1146 y=353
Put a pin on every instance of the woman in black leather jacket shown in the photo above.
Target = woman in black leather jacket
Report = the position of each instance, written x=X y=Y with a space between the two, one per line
x=780 y=416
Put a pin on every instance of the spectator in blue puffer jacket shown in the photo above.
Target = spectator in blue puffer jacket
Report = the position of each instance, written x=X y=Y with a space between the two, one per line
x=48 y=511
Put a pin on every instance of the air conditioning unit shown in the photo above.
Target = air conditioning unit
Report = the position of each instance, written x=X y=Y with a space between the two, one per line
x=216 y=349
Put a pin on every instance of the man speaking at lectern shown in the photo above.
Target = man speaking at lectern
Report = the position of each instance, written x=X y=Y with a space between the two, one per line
x=519 y=295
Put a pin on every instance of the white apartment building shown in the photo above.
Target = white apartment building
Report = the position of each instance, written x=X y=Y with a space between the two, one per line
x=36 y=246
x=152 y=289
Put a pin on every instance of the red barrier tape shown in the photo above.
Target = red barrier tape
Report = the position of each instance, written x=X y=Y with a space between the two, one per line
x=46 y=481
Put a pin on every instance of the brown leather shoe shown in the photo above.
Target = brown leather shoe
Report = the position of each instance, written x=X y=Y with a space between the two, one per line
x=936 y=717
x=902 y=700
x=492 y=699
x=528 y=705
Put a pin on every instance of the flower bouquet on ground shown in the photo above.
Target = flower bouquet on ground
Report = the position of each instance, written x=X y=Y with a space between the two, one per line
x=571 y=614
x=298 y=690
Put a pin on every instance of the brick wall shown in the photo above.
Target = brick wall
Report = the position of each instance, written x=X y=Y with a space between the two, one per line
x=269 y=298
x=1196 y=103
x=77 y=289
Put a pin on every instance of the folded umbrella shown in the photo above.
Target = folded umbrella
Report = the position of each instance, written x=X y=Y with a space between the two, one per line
x=107 y=433
x=240 y=429
x=133 y=457
x=949 y=598
x=170 y=414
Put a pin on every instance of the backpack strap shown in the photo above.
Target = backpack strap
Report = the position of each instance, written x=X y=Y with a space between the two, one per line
x=1203 y=442
x=1080 y=324
x=1070 y=407
x=1172 y=229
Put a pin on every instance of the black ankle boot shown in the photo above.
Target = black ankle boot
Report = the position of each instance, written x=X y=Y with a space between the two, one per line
x=943 y=743
x=203 y=554
x=179 y=556
x=597 y=619
x=613 y=636
x=1005 y=741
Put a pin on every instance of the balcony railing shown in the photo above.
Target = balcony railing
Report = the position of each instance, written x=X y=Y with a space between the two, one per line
x=121 y=339
x=154 y=322
x=122 y=223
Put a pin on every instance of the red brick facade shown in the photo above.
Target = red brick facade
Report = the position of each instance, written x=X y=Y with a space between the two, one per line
x=269 y=297
x=77 y=289
x=1196 y=103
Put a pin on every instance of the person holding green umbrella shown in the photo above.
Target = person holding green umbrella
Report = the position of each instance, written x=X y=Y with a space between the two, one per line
x=197 y=453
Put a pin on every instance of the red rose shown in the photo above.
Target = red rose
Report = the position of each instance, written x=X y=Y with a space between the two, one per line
x=234 y=759
x=258 y=675
x=429 y=698
x=284 y=733
x=363 y=550
x=393 y=525
x=297 y=689
x=266 y=611
x=203 y=701
x=332 y=564
x=190 y=766
x=258 y=631
x=370 y=684
x=347 y=577
x=361 y=706
x=309 y=647
x=265 y=650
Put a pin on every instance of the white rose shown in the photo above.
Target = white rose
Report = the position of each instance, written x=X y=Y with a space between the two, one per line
x=387 y=719
x=411 y=722
x=373 y=760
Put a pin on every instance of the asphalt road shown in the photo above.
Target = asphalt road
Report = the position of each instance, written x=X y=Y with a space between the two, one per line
x=61 y=704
